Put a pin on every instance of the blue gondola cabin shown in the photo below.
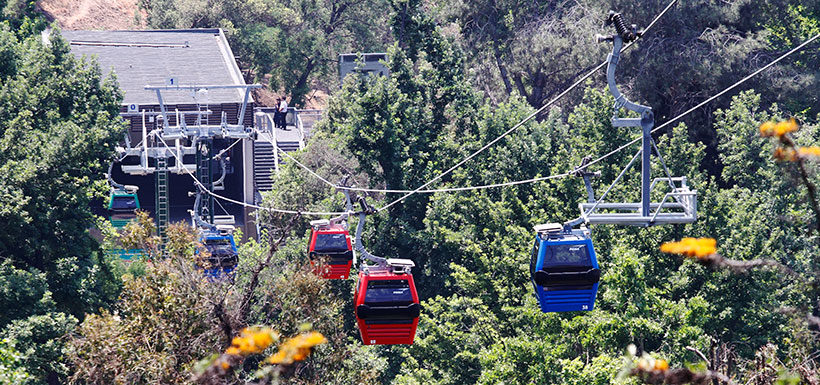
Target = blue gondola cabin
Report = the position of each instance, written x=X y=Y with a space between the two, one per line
x=222 y=255
x=564 y=269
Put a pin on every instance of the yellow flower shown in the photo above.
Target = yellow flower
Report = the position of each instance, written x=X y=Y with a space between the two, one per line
x=262 y=339
x=233 y=350
x=661 y=365
x=251 y=341
x=812 y=151
x=785 y=127
x=315 y=338
x=691 y=247
x=779 y=129
x=225 y=365
x=767 y=129
x=296 y=348
x=278 y=358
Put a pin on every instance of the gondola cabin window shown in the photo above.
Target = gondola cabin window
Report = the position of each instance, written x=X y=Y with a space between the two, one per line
x=331 y=242
x=567 y=255
x=124 y=203
x=387 y=293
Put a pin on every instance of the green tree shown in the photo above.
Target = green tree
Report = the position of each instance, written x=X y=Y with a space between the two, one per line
x=11 y=372
x=41 y=341
x=58 y=125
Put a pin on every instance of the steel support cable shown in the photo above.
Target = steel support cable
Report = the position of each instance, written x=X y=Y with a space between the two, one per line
x=703 y=103
x=217 y=196
x=226 y=149
x=421 y=189
x=667 y=123
x=525 y=120
x=599 y=159
x=450 y=189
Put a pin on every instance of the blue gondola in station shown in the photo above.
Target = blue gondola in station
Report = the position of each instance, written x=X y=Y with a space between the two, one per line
x=222 y=255
x=564 y=269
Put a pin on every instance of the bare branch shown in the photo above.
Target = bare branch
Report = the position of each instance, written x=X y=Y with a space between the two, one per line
x=700 y=354
x=718 y=261
x=247 y=299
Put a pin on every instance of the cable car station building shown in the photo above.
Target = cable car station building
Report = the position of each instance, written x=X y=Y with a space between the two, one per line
x=184 y=98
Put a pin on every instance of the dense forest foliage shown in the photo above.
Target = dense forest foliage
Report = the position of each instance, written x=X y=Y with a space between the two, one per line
x=461 y=73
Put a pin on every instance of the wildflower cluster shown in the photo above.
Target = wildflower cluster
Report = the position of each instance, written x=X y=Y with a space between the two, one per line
x=296 y=348
x=652 y=370
x=788 y=151
x=779 y=129
x=256 y=340
x=812 y=151
x=691 y=247
x=252 y=341
x=649 y=364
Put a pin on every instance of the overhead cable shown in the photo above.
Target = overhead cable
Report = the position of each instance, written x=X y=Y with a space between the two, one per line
x=527 y=119
x=421 y=190
x=703 y=103
x=532 y=180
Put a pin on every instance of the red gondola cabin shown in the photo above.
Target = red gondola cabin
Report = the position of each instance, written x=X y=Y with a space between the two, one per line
x=330 y=250
x=387 y=306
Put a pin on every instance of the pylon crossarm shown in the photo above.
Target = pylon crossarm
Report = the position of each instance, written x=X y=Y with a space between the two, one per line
x=181 y=130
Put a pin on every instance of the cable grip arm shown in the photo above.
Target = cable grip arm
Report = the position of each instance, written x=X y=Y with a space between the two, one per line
x=365 y=211
x=624 y=34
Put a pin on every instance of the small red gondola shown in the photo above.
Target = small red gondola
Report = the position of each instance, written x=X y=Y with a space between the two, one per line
x=330 y=250
x=387 y=305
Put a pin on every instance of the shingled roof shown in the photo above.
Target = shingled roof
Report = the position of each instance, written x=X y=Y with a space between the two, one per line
x=152 y=57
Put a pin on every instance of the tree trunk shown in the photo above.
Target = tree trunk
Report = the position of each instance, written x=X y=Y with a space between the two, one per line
x=538 y=84
x=300 y=88
x=503 y=70
x=520 y=85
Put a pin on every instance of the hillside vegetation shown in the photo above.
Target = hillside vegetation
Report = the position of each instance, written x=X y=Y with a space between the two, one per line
x=461 y=74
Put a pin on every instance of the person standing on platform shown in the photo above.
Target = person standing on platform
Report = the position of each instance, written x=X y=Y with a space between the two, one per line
x=283 y=113
x=276 y=115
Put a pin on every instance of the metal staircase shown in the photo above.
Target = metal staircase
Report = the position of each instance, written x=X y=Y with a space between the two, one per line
x=287 y=147
x=264 y=163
